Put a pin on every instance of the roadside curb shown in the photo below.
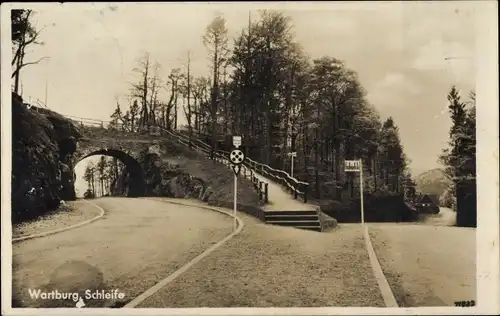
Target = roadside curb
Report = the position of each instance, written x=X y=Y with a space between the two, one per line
x=158 y=286
x=59 y=230
x=385 y=289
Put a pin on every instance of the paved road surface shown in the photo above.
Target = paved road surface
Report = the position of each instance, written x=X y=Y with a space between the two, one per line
x=427 y=265
x=273 y=266
x=445 y=217
x=136 y=244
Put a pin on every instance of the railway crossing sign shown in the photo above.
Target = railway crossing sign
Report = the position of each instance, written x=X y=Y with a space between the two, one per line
x=236 y=157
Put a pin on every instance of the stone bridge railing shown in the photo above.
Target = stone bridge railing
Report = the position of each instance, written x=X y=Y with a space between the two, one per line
x=251 y=167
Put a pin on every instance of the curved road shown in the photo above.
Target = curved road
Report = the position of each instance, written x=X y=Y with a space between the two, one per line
x=135 y=245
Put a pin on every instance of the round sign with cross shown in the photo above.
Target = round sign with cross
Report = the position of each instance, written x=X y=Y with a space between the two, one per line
x=236 y=156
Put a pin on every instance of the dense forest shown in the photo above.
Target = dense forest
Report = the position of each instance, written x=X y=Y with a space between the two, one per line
x=263 y=87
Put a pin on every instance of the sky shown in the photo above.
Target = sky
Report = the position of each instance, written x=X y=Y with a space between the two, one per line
x=398 y=50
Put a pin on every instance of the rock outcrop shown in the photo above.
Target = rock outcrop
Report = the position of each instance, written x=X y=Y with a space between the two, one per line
x=42 y=172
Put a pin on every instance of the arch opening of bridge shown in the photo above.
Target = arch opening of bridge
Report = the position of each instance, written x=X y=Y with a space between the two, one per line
x=136 y=183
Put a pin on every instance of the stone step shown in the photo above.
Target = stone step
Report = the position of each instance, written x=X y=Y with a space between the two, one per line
x=314 y=228
x=306 y=212
x=295 y=223
x=291 y=217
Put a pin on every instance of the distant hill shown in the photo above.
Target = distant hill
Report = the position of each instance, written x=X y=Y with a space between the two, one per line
x=433 y=181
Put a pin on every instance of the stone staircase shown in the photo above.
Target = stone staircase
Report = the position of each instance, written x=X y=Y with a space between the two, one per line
x=299 y=219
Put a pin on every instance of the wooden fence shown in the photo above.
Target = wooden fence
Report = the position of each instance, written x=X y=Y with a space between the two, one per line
x=222 y=157
x=295 y=187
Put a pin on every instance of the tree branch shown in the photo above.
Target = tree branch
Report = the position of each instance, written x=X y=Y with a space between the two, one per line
x=26 y=64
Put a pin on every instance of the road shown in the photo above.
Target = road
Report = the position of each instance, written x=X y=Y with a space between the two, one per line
x=141 y=241
x=445 y=217
x=427 y=265
x=136 y=244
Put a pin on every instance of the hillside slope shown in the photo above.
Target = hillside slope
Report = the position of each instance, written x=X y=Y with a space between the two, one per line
x=433 y=181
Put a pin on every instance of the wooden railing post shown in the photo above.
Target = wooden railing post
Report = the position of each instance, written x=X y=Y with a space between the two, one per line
x=296 y=187
x=260 y=190
x=306 y=187
x=266 y=193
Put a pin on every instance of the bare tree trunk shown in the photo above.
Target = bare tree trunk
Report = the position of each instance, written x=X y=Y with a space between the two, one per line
x=214 y=102
x=189 y=118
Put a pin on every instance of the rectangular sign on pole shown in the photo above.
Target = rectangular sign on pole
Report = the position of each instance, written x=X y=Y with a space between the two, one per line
x=353 y=165
x=357 y=166
x=236 y=141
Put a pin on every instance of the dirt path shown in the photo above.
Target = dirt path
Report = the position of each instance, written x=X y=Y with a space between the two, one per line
x=426 y=265
x=137 y=243
x=270 y=266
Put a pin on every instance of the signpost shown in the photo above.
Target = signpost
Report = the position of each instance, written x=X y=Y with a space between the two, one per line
x=292 y=155
x=357 y=166
x=236 y=157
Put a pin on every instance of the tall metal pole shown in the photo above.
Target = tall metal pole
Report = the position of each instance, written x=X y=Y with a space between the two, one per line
x=361 y=189
x=235 y=195
x=46 y=89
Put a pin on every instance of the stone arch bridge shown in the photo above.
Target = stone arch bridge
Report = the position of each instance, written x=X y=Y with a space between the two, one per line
x=128 y=148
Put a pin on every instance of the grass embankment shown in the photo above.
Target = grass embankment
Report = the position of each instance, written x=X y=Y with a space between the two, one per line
x=215 y=175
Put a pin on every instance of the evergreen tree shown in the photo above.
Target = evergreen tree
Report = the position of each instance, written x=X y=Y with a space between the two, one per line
x=455 y=156
x=88 y=176
x=393 y=161
x=116 y=118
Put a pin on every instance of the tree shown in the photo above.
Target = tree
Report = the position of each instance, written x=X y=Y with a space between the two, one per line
x=88 y=176
x=101 y=168
x=454 y=157
x=393 y=161
x=460 y=157
x=201 y=108
x=23 y=35
x=174 y=78
x=338 y=97
x=116 y=118
x=215 y=40
x=186 y=91
x=141 y=89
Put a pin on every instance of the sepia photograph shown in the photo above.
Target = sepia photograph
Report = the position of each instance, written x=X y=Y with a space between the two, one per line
x=247 y=155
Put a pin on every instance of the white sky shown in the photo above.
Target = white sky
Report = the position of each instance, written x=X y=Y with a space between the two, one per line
x=398 y=50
